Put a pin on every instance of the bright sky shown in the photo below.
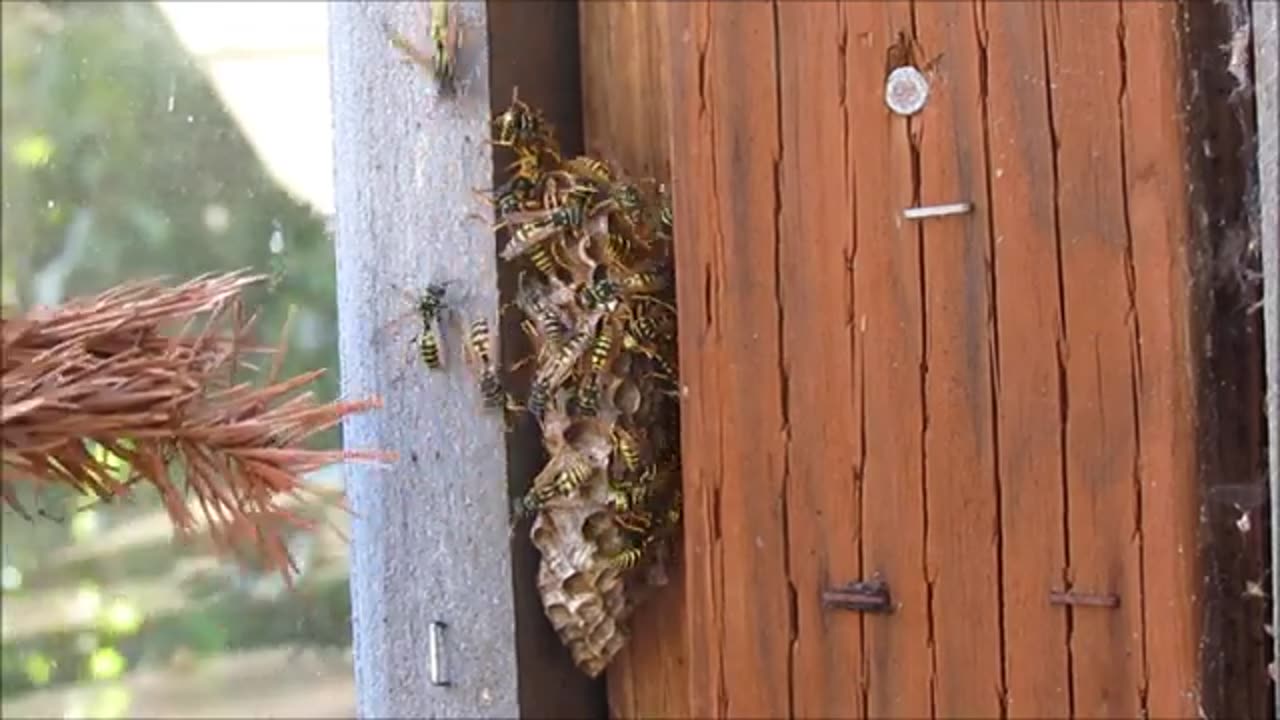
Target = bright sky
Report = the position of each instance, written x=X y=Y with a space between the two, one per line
x=269 y=63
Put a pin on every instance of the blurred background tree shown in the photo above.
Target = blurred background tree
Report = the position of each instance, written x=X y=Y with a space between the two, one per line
x=120 y=162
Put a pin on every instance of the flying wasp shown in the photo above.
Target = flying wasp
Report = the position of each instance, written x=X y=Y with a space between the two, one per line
x=446 y=39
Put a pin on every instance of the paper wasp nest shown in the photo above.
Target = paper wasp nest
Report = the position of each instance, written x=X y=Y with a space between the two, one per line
x=594 y=290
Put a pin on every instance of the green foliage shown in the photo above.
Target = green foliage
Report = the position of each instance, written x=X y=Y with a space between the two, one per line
x=119 y=162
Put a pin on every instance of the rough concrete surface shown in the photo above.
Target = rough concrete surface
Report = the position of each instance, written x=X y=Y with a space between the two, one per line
x=1266 y=38
x=430 y=538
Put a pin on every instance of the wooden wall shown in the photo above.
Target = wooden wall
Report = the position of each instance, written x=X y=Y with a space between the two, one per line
x=625 y=119
x=978 y=410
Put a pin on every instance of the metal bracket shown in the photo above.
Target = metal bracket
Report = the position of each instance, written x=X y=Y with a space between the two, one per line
x=864 y=596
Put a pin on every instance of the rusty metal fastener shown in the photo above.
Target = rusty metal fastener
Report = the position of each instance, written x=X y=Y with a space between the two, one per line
x=1087 y=600
x=866 y=596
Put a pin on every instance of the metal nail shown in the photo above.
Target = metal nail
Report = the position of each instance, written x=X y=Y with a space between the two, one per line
x=435 y=640
x=906 y=90
x=1085 y=599
x=932 y=211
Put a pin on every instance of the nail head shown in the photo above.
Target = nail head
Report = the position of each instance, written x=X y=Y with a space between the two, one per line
x=906 y=90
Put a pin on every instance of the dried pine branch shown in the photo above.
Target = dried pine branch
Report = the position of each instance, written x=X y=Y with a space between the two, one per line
x=147 y=372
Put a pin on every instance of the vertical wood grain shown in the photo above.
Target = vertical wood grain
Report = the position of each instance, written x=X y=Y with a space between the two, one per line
x=979 y=410
x=815 y=253
x=624 y=96
x=1154 y=135
x=1100 y=358
x=1030 y=382
x=726 y=147
x=959 y=369
x=899 y=666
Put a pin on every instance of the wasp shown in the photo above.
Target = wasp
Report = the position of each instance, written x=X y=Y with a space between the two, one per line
x=514 y=195
x=589 y=395
x=590 y=168
x=526 y=237
x=569 y=214
x=429 y=306
x=546 y=318
x=641 y=331
x=557 y=369
x=627 y=198
x=671 y=518
x=524 y=130
x=539 y=396
x=567 y=481
x=634 y=521
x=642 y=282
x=480 y=342
x=601 y=348
x=429 y=348
x=625 y=445
x=431 y=303
x=630 y=557
x=446 y=39
x=543 y=257
x=601 y=292
x=622 y=498
x=617 y=248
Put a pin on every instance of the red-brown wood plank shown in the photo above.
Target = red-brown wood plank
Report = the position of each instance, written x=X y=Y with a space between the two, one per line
x=961 y=484
x=816 y=249
x=899 y=664
x=725 y=145
x=1100 y=356
x=624 y=117
x=1156 y=182
x=1029 y=385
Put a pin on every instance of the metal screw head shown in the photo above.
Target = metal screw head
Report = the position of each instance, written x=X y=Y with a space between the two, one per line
x=906 y=90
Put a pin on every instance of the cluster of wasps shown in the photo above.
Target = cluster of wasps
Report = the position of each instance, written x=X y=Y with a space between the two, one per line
x=592 y=250
x=594 y=288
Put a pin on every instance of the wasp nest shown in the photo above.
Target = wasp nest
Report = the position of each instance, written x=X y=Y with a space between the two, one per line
x=594 y=290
